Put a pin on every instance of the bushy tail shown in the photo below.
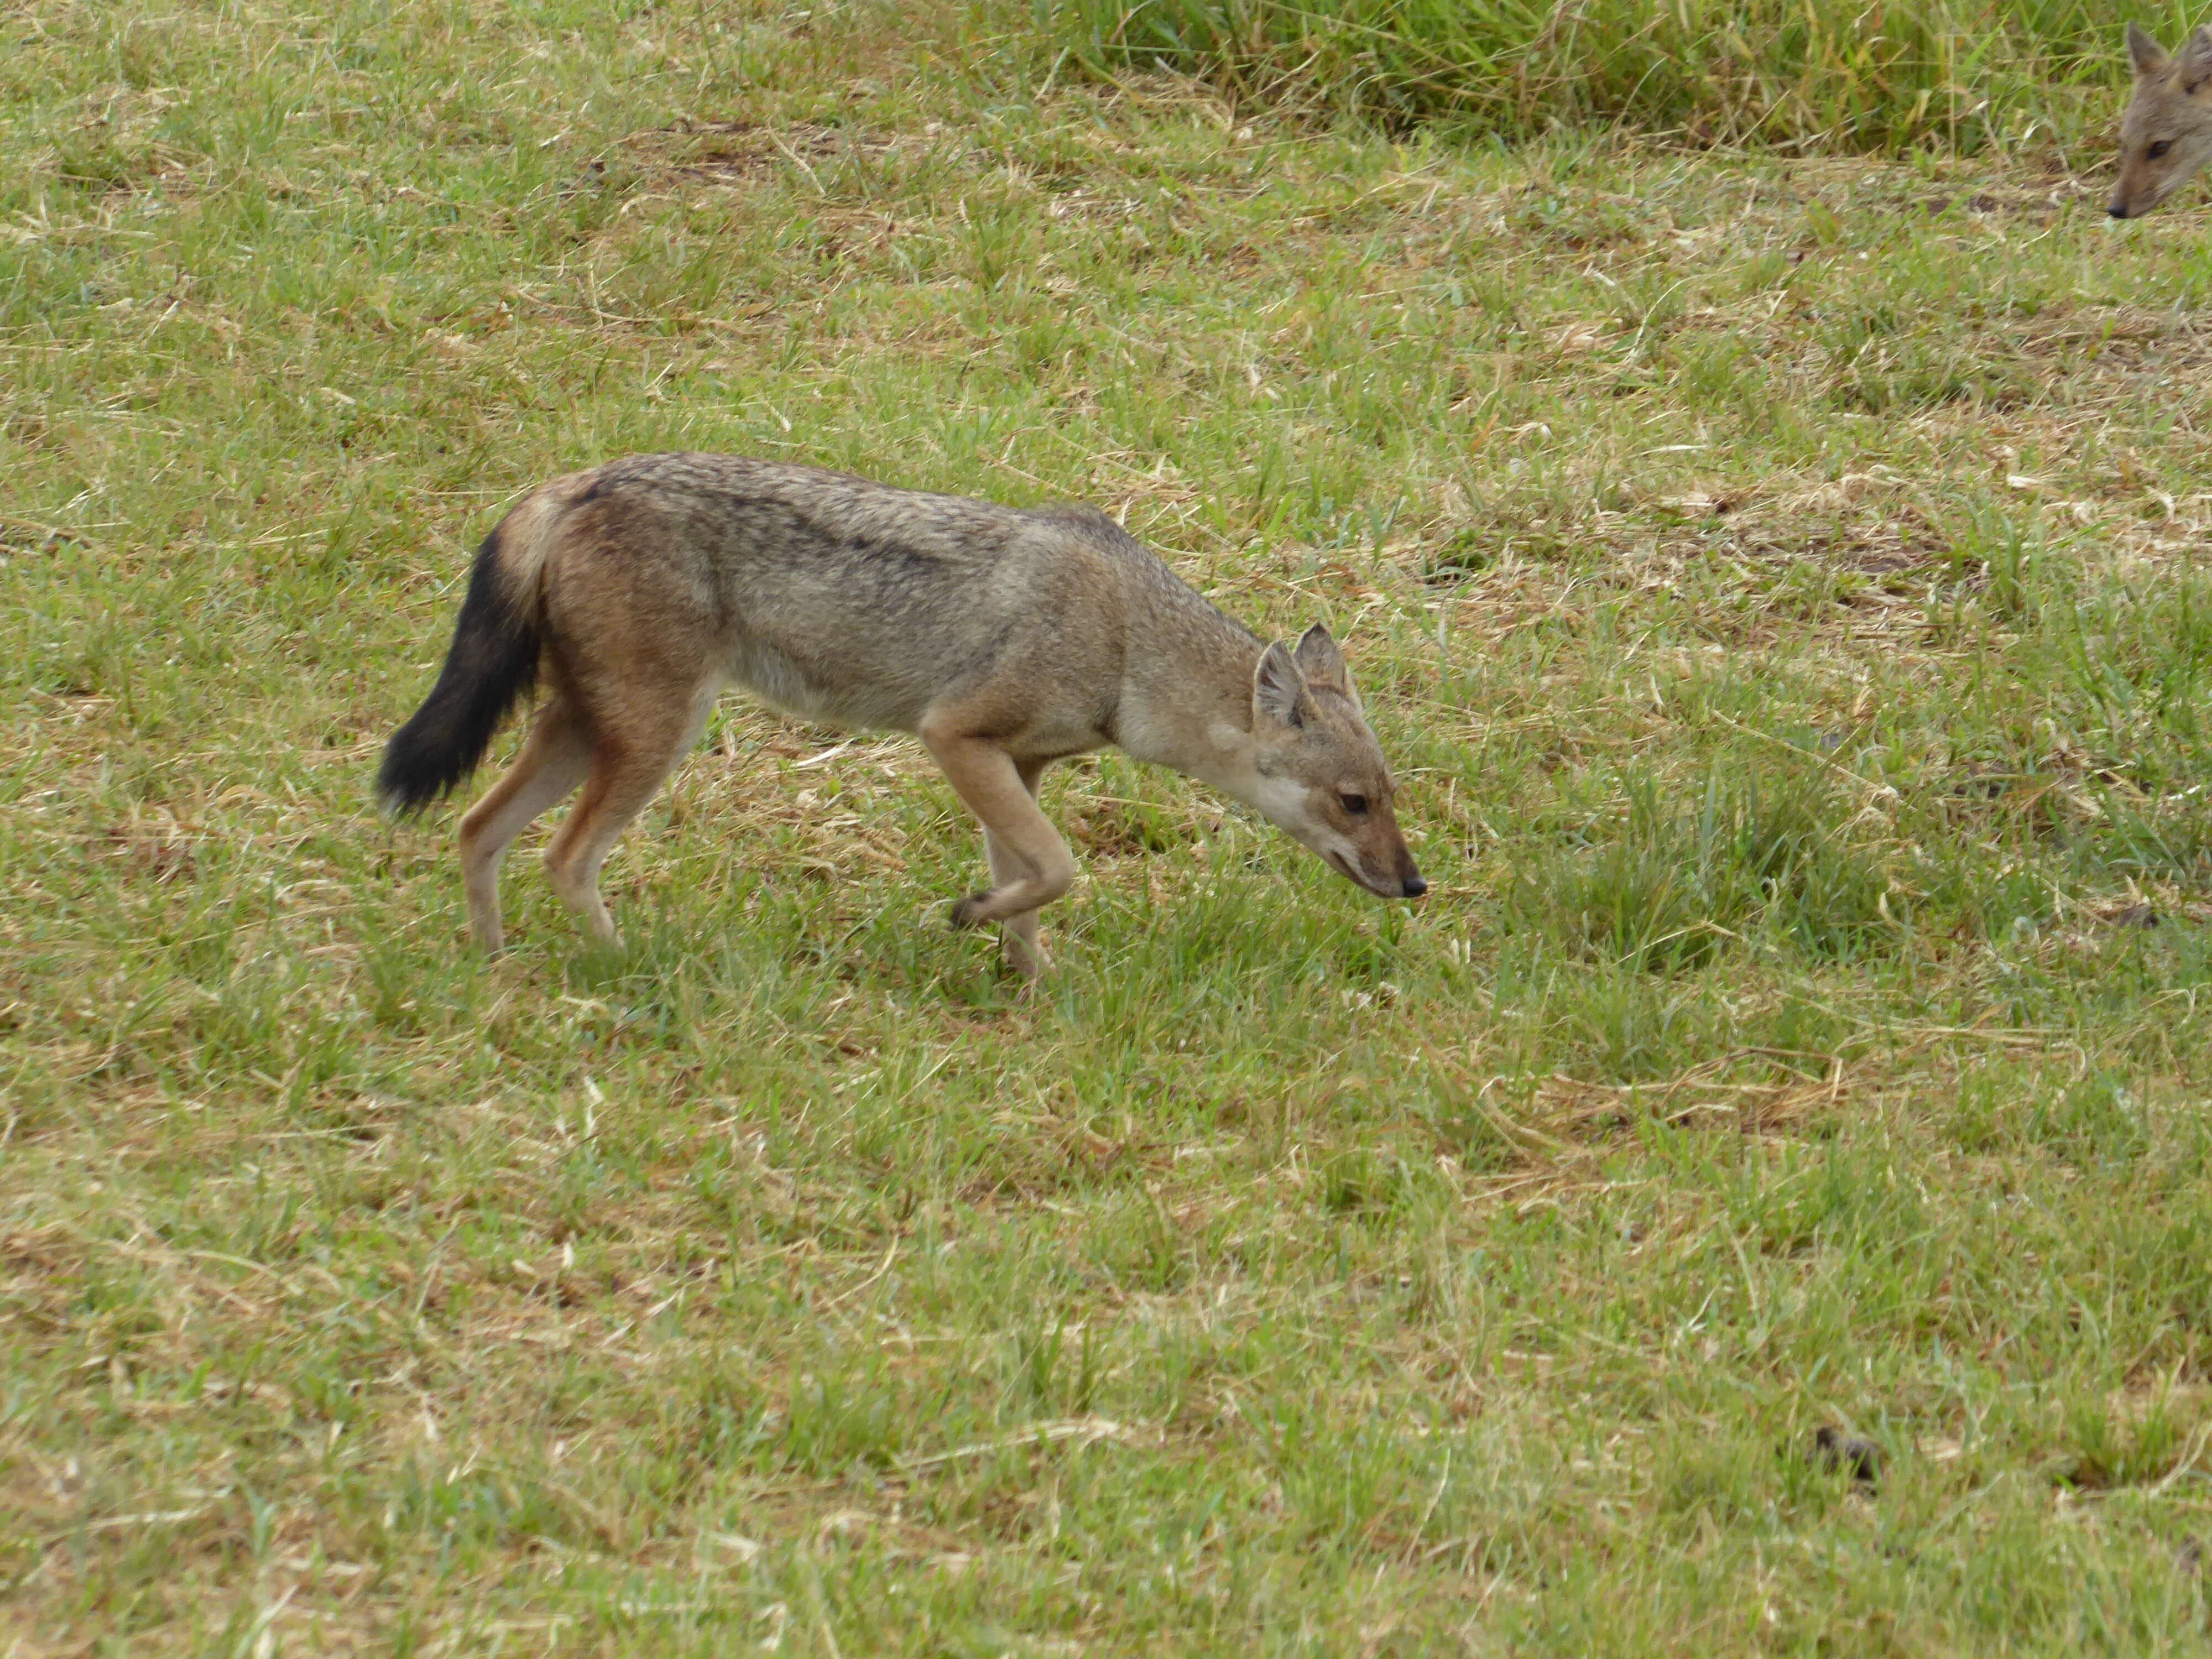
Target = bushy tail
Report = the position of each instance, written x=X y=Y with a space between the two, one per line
x=491 y=666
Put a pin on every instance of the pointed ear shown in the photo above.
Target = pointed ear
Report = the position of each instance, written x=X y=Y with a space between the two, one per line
x=2145 y=53
x=1320 y=662
x=1279 y=690
x=2196 y=57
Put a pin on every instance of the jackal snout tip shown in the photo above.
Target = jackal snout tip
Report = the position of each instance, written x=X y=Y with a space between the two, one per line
x=1405 y=882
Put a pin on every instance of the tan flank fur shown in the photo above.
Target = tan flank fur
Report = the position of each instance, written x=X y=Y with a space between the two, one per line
x=1004 y=639
x=2165 y=133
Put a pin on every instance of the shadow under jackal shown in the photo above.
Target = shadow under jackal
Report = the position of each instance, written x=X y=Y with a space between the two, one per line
x=1005 y=638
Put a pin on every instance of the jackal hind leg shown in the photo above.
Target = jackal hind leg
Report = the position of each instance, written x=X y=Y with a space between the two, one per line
x=637 y=739
x=551 y=762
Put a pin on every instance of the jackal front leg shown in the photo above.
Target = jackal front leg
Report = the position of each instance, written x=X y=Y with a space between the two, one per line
x=1023 y=954
x=1030 y=864
x=1018 y=941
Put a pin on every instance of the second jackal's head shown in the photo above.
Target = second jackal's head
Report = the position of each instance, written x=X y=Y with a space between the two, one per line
x=1321 y=776
x=2165 y=134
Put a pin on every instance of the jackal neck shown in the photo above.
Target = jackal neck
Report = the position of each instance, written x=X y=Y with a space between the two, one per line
x=1187 y=695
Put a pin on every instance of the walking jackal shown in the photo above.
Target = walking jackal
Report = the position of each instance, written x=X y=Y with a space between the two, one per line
x=1005 y=638
x=2166 y=132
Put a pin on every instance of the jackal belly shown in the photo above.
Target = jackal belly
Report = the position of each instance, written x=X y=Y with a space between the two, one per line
x=804 y=690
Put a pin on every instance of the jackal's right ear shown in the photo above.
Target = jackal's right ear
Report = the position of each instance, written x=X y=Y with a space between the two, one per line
x=2195 y=56
x=2144 y=52
x=1321 y=661
x=1279 y=690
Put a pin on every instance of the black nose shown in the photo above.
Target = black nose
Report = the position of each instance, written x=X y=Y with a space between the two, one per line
x=2116 y=211
x=1415 y=886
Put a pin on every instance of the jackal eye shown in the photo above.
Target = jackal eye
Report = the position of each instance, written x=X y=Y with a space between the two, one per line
x=2157 y=151
x=1355 y=804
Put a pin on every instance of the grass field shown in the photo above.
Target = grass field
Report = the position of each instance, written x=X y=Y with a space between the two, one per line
x=1778 y=581
x=1801 y=74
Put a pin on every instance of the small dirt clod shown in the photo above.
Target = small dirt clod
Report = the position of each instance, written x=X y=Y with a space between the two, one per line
x=1834 y=1449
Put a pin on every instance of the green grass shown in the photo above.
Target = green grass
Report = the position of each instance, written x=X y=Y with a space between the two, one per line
x=1965 y=73
x=1778 y=583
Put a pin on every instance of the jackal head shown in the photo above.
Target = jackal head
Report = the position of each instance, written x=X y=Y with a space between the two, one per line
x=1320 y=775
x=2165 y=134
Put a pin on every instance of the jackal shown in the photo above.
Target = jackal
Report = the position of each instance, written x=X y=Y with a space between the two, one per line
x=1004 y=639
x=2166 y=132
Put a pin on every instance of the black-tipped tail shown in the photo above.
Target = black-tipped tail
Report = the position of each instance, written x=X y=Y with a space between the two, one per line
x=492 y=665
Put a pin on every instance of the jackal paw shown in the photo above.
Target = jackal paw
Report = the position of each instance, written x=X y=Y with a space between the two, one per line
x=968 y=912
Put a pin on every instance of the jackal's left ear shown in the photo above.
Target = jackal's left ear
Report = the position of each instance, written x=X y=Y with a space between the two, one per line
x=2144 y=52
x=1279 y=689
x=1320 y=662
x=2195 y=55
